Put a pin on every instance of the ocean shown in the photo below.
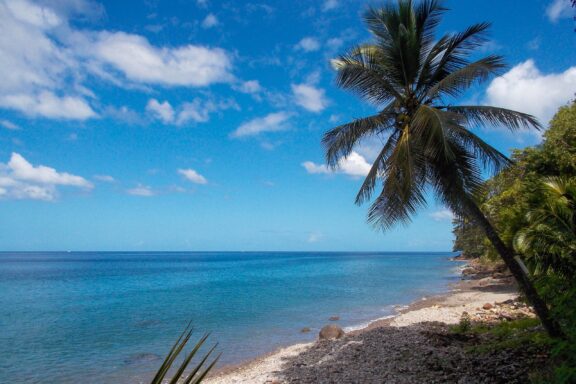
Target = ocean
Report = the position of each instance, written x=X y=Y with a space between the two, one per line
x=110 y=317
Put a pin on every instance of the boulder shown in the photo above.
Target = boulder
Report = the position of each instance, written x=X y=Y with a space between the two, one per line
x=331 y=332
x=305 y=330
x=487 y=306
x=334 y=318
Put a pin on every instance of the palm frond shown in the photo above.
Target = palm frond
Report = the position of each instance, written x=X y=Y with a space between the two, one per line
x=460 y=80
x=197 y=373
x=378 y=169
x=490 y=157
x=450 y=53
x=430 y=125
x=483 y=115
x=359 y=71
x=403 y=190
x=340 y=141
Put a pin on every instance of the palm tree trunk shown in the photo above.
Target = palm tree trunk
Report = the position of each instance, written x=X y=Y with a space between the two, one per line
x=524 y=282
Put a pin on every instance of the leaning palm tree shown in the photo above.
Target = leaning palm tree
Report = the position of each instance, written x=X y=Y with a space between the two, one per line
x=413 y=79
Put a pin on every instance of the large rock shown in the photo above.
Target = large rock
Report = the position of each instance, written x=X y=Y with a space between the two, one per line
x=331 y=332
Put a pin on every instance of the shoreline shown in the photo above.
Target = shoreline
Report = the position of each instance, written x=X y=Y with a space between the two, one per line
x=468 y=294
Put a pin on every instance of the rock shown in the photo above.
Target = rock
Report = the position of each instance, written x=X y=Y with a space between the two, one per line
x=330 y=332
x=334 y=318
x=305 y=330
x=487 y=306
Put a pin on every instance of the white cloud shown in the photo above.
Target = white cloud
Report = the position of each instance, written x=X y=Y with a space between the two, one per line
x=9 y=125
x=21 y=180
x=46 y=61
x=270 y=123
x=34 y=68
x=558 y=9
x=250 y=86
x=526 y=89
x=209 y=21
x=104 y=178
x=47 y=104
x=309 y=97
x=197 y=110
x=313 y=168
x=163 y=111
x=330 y=5
x=308 y=44
x=442 y=215
x=193 y=176
x=354 y=165
x=141 y=190
x=138 y=60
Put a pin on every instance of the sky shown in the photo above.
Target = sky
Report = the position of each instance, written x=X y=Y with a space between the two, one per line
x=196 y=125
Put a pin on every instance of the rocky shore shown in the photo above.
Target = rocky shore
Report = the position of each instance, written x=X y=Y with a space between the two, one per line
x=418 y=345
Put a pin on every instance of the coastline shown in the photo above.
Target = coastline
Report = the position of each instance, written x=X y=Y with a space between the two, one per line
x=474 y=290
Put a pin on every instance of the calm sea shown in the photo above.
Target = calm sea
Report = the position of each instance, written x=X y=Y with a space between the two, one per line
x=109 y=317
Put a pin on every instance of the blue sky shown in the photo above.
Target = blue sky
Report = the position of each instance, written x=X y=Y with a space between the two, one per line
x=196 y=125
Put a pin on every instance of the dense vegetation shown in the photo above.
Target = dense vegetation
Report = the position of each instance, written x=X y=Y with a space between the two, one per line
x=532 y=204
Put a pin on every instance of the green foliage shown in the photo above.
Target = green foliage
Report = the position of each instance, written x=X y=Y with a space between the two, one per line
x=198 y=370
x=464 y=325
x=470 y=239
x=533 y=206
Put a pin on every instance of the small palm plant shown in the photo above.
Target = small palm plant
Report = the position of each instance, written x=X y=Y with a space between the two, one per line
x=197 y=373
x=549 y=240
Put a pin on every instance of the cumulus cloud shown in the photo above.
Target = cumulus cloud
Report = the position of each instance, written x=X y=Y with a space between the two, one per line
x=559 y=9
x=308 y=44
x=309 y=97
x=209 y=21
x=526 y=89
x=272 y=122
x=45 y=61
x=47 y=104
x=161 y=110
x=34 y=68
x=193 y=176
x=354 y=165
x=442 y=215
x=141 y=190
x=197 y=111
x=189 y=65
x=19 y=179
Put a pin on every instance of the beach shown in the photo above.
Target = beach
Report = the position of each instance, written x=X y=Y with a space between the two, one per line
x=482 y=295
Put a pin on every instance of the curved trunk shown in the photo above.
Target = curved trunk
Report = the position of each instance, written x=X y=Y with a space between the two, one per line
x=524 y=282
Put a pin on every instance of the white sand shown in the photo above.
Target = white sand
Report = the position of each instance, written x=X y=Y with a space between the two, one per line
x=448 y=310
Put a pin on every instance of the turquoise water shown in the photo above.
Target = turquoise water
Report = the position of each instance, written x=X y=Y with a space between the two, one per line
x=109 y=317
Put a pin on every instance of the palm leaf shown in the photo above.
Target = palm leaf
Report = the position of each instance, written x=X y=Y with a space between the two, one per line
x=175 y=351
x=482 y=115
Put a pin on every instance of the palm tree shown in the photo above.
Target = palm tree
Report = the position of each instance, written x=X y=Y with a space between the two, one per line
x=413 y=79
